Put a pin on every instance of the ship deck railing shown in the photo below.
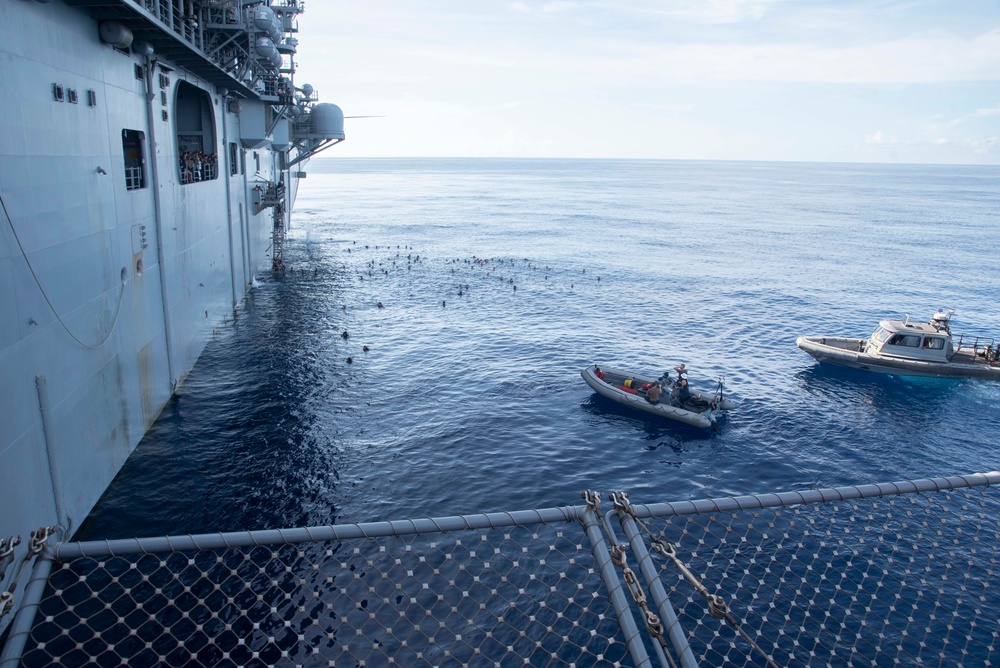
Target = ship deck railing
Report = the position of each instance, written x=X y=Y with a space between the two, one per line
x=207 y=172
x=211 y=39
x=872 y=575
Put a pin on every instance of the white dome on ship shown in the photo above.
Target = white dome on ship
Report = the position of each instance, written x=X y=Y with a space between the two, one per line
x=327 y=120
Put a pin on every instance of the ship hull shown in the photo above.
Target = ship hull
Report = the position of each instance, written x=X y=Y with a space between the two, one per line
x=112 y=277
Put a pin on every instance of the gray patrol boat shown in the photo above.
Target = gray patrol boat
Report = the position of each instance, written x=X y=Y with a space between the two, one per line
x=906 y=348
x=151 y=152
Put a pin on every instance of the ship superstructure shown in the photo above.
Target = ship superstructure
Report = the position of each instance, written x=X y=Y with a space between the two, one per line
x=151 y=151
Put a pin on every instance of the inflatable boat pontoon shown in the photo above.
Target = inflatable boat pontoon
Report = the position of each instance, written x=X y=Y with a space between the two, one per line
x=700 y=410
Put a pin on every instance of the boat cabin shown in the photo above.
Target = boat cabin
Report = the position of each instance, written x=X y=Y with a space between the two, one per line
x=928 y=341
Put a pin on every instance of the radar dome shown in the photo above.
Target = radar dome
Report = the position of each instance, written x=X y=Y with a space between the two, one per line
x=327 y=120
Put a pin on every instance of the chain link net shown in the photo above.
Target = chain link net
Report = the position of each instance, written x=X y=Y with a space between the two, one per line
x=514 y=596
x=886 y=581
x=901 y=578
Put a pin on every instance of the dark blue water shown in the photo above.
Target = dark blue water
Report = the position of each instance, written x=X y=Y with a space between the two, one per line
x=469 y=398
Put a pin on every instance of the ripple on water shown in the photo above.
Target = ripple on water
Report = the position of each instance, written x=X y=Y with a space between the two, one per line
x=474 y=403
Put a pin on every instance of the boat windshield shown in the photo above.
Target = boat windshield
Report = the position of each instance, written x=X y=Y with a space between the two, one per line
x=880 y=335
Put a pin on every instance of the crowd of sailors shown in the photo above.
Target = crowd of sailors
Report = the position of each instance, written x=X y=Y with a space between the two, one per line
x=198 y=166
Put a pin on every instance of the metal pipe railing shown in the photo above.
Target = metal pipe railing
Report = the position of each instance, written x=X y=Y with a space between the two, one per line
x=314 y=534
x=756 y=501
x=20 y=628
x=603 y=548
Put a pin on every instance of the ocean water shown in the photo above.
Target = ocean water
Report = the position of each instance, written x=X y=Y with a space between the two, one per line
x=499 y=280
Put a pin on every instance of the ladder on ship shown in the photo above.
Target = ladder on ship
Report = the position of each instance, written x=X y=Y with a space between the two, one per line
x=278 y=239
x=274 y=196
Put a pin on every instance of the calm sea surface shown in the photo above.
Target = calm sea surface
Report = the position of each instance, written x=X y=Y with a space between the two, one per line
x=469 y=397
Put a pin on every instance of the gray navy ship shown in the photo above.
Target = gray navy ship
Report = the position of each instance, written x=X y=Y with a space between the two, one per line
x=151 y=151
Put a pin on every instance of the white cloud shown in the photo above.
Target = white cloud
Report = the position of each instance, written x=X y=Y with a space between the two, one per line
x=973 y=116
x=706 y=12
x=908 y=61
x=990 y=111
x=545 y=7
x=676 y=108
x=512 y=144
x=985 y=145
x=645 y=52
x=912 y=60
x=745 y=79
x=878 y=139
x=721 y=11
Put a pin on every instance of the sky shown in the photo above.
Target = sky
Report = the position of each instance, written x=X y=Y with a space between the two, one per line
x=803 y=80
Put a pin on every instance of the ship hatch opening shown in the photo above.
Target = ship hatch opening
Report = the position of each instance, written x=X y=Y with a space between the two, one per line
x=135 y=160
x=195 y=122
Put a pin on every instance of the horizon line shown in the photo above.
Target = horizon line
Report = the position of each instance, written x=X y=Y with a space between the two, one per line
x=329 y=157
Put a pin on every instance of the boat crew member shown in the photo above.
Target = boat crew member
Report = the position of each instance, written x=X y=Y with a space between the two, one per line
x=653 y=393
x=683 y=392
